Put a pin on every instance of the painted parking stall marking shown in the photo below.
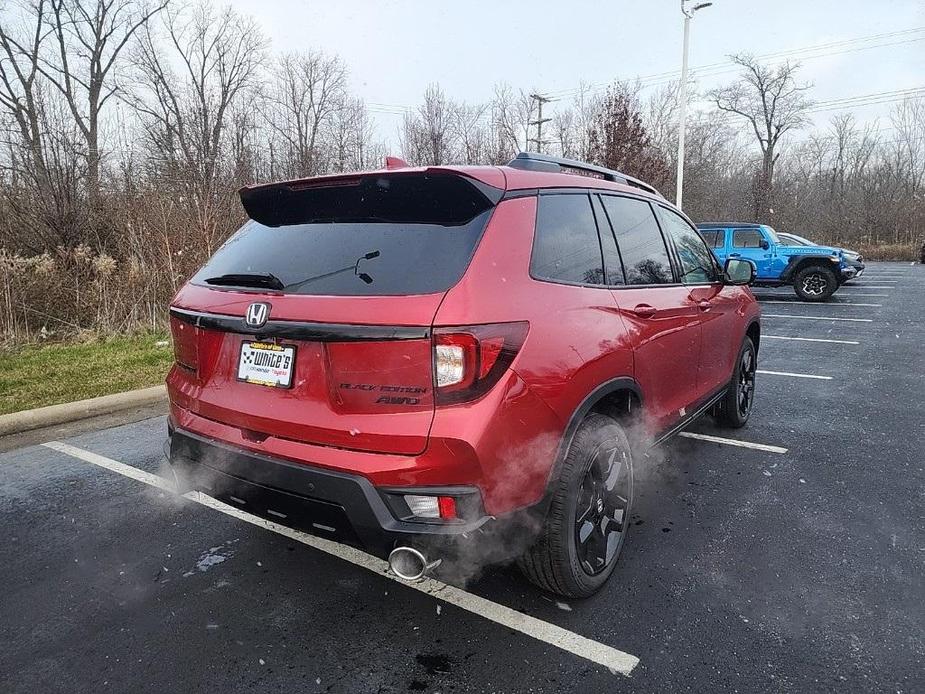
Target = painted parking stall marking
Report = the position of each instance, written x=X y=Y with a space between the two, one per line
x=814 y=303
x=793 y=375
x=866 y=294
x=784 y=315
x=733 y=442
x=810 y=339
x=615 y=660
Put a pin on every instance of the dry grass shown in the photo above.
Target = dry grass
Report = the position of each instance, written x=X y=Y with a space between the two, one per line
x=889 y=251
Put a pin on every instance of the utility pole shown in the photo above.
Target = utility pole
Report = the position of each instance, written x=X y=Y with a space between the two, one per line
x=538 y=140
x=682 y=97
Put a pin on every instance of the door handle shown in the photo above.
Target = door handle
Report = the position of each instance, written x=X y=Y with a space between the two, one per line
x=645 y=311
x=735 y=255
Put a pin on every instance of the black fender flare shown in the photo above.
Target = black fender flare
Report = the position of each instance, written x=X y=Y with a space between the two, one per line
x=797 y=260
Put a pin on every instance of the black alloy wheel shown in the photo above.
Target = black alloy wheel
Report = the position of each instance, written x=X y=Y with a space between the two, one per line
x=600 y=516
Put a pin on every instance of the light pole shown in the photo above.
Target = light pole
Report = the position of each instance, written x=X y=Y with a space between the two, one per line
x=682 y=96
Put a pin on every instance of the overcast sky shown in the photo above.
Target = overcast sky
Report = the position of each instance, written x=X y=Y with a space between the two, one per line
x=395 y=48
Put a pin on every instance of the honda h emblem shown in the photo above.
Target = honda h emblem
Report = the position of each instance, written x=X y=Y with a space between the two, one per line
x=257 y=314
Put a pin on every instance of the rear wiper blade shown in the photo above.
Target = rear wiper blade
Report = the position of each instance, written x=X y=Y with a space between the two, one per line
x=259 y=280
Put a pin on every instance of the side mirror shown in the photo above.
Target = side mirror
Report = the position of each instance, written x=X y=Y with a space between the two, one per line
x=764 y=244
x=738 y=272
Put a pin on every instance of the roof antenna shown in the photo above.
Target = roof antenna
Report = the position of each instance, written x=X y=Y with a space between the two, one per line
x=395 y=163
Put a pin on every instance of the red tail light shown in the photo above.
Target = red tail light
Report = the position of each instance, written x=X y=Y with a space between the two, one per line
x=185 y=344
x=469 y=360
x=447 y=506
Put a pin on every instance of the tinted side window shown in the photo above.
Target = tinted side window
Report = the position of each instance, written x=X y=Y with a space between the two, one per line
x=714 y=238
x=746 y=238
x=613 y=268
x=645 y=258
x=566 y=247
x=697 y=265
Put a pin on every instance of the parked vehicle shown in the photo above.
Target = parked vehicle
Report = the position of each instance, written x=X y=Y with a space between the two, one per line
x=814 y=272
x=852 y=258
x=421 y=360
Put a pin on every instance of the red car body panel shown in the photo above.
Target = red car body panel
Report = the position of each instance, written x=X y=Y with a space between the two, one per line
x=504 y=442
x=315 y=409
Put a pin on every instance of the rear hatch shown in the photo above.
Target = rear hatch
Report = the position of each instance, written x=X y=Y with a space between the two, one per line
x=313 y=322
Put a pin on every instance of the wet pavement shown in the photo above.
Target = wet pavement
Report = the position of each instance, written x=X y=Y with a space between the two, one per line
x=745 y=570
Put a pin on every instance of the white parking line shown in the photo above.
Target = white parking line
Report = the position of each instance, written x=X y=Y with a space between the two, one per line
x=784 y=315
x=866 y=294
x=599 y=653
x=809 y=339
x=867 y=286
x=793 y=375
x=816 y=303
x=733 y=442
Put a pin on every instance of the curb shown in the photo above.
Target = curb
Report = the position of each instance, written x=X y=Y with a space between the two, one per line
x=27 y=420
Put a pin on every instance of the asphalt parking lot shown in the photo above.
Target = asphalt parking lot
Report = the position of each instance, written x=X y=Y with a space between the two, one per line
x=793 y=566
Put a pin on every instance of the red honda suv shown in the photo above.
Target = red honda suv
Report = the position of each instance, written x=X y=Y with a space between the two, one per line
x=447 y=361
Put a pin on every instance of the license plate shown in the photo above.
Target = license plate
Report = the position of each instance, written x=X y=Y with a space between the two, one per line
x=266 y=364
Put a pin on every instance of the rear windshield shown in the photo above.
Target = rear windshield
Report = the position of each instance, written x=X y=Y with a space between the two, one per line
x=373 y=238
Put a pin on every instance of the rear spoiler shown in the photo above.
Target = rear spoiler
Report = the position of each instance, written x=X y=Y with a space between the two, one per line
x=422 y=196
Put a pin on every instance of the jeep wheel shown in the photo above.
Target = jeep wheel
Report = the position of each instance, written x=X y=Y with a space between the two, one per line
x=815 y=283
x=585 y=527
x=736 y=405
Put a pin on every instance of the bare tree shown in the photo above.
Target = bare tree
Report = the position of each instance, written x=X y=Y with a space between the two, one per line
x=307 y=90
x=186 y=115
x=351 y=136
x=773 y=104
x=471 y=133
x=89 y=37
x=510 y=122
x=45 y=195
x=426 y=135
x=20 y=89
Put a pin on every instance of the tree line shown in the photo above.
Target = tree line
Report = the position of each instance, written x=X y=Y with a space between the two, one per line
x=127 y=127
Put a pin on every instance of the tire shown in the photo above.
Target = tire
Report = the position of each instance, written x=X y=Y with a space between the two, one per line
x=815 y=283
x=736 y=406
x=574 y=557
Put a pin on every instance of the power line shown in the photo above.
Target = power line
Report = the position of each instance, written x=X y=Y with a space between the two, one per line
x=714 y=69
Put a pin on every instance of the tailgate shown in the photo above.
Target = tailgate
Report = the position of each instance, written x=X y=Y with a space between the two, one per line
x=313 y=322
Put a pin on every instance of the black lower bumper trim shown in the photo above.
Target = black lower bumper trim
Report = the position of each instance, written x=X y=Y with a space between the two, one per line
x=338 y=506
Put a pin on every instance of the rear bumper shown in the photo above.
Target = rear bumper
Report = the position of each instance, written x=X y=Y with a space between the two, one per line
x=335 y=505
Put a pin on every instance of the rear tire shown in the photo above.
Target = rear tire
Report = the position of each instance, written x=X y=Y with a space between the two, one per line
x=585 y=528
x=815 y=283
x=736 y=405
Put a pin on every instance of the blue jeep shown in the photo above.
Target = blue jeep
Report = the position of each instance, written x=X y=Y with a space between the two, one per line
x=814 y=272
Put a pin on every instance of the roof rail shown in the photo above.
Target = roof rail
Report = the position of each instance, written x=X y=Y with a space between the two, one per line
x=533 y=161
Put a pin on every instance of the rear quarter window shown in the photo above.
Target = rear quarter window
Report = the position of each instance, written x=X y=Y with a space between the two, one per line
x=566 y=247
x=714 y=238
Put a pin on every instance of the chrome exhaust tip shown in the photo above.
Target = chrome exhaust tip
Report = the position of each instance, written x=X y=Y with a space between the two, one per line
x=410 y=564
